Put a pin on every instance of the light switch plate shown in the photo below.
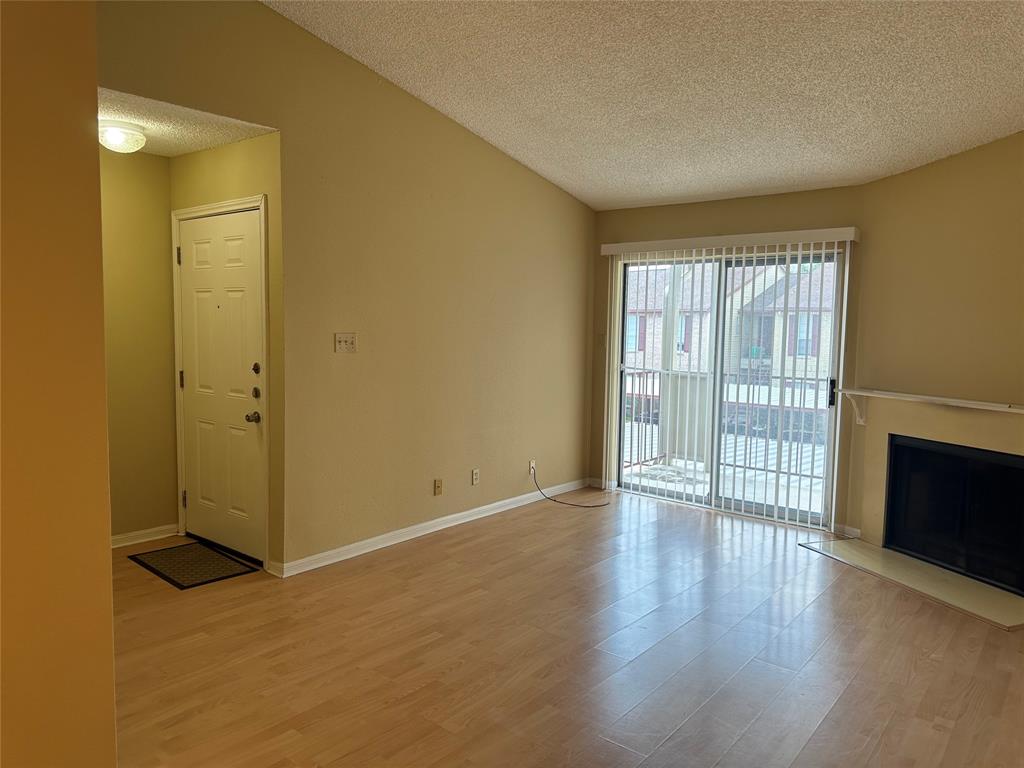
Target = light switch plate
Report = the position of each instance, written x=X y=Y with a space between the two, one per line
x=346 y=342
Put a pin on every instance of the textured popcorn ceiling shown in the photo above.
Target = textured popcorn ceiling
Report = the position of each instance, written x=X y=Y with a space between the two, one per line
x=172 y=130
x=640 y=103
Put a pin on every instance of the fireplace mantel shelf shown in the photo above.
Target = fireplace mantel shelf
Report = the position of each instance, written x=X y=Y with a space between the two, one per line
x=860 y=411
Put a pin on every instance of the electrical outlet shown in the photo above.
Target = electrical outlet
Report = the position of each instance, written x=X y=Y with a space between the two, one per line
x=475 y=478
x=437 y=486
x=533 y=466
x=346 y=342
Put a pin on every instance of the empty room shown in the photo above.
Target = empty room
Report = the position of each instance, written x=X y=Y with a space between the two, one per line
x=472 y=384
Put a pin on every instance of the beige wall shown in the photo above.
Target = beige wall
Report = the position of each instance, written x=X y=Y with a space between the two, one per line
x=462 y=271
x=139 y=322
x=940 y=277
x=941 y=272
x=936 y=297
x=56 y=663
x=244 y=169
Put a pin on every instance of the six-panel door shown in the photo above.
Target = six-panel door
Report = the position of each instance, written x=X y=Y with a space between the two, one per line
x=222 y=339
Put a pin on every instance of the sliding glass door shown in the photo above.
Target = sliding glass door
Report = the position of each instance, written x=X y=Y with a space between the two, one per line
x=668 y=381
x=727 y=378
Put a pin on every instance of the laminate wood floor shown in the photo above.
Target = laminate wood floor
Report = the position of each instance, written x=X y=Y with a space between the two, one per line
x=642 y=634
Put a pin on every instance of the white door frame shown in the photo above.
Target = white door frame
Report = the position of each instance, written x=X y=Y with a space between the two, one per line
x=610 y=454
x=255 y=203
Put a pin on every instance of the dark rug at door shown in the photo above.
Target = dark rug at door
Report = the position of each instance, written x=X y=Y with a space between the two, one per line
x=191 y=565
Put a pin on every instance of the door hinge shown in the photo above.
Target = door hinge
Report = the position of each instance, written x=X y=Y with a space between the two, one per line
x=181 y=379
x=179 y=254
x=184 y=498
x=831 y=393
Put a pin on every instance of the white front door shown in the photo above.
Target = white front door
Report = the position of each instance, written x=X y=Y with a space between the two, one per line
x=222 y=328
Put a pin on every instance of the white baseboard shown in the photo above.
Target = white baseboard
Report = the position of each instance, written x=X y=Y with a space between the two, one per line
x=137 y=537
x=846 y=530
x=283 y=570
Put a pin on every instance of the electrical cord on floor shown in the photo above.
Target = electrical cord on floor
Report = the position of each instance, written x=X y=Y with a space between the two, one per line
x=533 y=474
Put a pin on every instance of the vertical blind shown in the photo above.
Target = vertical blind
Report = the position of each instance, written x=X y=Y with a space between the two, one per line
x=728 y=360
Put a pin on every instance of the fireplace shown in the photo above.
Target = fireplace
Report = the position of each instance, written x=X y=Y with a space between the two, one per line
x=958 y=507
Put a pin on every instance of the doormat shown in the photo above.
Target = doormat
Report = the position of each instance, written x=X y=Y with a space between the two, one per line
x=191 y=565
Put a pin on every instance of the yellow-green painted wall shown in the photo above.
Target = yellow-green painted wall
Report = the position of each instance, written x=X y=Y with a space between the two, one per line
x=464 y=273
x=139 y=329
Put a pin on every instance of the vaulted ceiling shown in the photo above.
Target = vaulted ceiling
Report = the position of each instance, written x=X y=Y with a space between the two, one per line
x=640 y=103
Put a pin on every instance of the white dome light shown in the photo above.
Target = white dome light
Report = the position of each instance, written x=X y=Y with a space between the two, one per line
x=121 y=137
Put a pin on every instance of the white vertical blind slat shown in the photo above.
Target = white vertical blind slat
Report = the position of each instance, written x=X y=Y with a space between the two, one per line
x=783 y=413
x=769 y=355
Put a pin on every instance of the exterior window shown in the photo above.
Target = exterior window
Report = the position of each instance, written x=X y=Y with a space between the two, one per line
x=684 y=332
x=804 y=334
x=636 y=333
x=758 y=335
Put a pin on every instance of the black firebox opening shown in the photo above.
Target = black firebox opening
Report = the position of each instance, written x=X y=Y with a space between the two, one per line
x=958 y=507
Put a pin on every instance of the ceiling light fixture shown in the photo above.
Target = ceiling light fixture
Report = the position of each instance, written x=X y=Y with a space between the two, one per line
x=121 y=137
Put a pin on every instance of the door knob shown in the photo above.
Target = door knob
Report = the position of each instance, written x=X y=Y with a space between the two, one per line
x=254 y=417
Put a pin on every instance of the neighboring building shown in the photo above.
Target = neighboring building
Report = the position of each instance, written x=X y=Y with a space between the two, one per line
x=776 y=345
